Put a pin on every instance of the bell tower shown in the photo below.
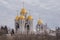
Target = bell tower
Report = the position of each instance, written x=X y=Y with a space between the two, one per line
x=39 y=26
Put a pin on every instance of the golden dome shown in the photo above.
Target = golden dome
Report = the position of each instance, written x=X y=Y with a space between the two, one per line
x=40 y=21
x=17 y=17
x=30 y=17
x=21 y=17
x=23 y=11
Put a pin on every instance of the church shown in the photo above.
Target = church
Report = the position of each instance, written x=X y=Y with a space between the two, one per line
x=24 y=23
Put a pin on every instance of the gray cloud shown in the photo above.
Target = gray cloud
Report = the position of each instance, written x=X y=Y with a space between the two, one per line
x=48 y=10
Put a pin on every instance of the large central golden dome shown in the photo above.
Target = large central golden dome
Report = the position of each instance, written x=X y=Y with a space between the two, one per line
x=23 y=11
x=40 y=21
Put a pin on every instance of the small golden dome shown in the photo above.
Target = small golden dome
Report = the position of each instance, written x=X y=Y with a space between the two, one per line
x=40 y=21
x=21 y=17
x=17 y=17
x=23 y=11
x=30 y=17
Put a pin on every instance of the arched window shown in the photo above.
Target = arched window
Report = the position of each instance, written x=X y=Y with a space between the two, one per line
x=27 y=27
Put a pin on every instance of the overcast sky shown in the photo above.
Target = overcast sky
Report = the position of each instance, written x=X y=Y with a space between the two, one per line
x=47 y=10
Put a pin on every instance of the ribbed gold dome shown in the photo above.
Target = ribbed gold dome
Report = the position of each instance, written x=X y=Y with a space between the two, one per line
x=17 y=18
x=30 y=17
x=40 y=21
x=21 y=17
x=23 y=11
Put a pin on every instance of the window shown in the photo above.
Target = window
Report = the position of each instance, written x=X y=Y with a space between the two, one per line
x=27 y=27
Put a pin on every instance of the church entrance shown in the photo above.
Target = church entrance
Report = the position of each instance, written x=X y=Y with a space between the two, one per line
x=28 y=29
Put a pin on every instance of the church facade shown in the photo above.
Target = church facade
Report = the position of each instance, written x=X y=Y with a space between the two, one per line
x=24 y=22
